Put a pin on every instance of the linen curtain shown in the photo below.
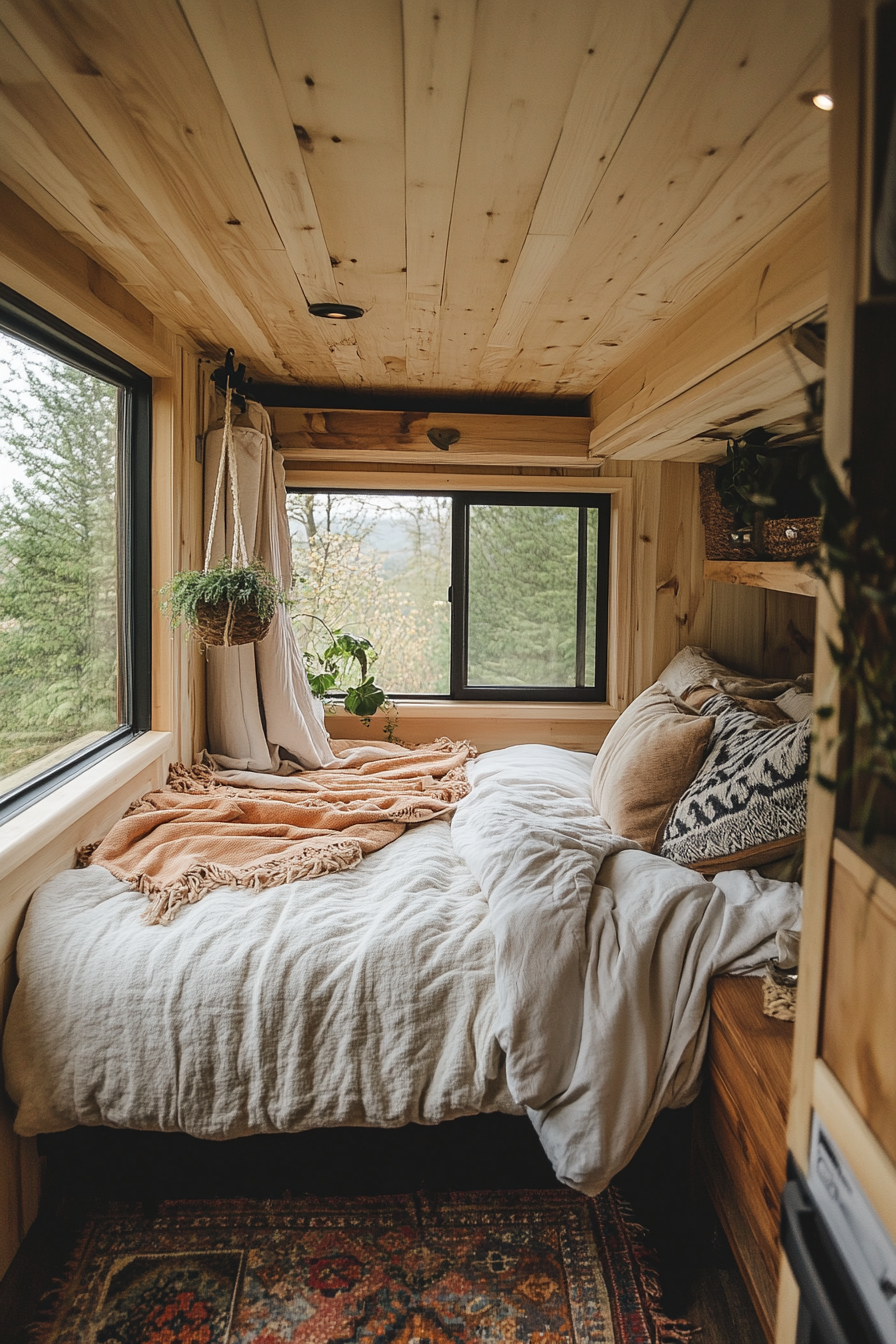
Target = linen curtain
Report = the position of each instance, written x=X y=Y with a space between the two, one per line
x=261 y=715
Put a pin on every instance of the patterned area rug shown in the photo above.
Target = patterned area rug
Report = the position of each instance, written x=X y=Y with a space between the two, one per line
x=548 y=1267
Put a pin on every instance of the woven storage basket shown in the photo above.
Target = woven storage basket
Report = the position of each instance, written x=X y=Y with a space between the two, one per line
x=791 y=538
x=718 y=522
x=245 y=624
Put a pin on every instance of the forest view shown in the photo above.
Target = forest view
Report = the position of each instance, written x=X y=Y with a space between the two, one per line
x=58 y=588
x=379 y=566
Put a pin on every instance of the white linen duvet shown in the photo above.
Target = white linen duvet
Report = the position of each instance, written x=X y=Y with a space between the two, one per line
x=472 y=968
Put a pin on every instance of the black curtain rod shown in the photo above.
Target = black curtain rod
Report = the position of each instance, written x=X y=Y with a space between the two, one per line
x=336 y=399
x=332 y=399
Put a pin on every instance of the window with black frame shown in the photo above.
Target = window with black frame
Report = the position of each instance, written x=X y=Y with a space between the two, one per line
x=74 y=552
x=491 y=596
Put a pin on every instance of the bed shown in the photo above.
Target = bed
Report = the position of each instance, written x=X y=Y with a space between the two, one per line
x=522 y=958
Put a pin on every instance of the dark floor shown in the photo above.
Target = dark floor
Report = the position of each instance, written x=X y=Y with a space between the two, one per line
x=86 y=1166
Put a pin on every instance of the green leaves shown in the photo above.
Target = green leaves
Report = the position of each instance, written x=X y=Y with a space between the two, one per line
x=251 y=586
x=776 y=480
x=332 y=669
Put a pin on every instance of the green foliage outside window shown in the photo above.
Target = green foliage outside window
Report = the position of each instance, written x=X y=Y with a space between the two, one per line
x=58 y=589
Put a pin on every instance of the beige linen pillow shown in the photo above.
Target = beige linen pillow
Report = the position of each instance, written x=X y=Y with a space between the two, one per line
x=650 y=756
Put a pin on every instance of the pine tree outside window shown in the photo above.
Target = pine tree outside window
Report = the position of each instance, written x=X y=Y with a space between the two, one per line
x=74 y=588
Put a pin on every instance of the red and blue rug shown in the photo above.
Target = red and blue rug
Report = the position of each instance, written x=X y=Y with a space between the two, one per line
x=546 y=1267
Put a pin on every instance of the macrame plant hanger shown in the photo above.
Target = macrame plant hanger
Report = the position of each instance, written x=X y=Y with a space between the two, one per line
x=239 y=556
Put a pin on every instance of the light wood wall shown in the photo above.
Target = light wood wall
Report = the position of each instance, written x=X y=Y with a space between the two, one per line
x=49 y=270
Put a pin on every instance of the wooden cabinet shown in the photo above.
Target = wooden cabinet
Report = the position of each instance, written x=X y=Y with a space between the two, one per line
x=740 y=1135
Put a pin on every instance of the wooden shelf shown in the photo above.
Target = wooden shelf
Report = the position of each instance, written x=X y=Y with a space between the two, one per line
x=782 y=576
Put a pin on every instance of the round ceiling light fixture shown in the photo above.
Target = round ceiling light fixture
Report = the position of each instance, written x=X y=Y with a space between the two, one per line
x=339 y=312
x=819 y=98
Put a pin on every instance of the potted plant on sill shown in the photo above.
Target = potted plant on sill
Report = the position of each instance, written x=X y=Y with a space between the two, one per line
x=333 y=671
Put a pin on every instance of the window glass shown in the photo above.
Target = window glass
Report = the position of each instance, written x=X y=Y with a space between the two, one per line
x=378 y=567
x=478 y=596
x=59 y=682
x=523 y=590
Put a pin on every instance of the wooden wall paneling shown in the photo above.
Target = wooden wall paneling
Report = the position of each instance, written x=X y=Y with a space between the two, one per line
x=624 y=50
x=679 y=588
x=178 y=665
x=438 y=56
x=160 y=124
x=648 y=523
x=858 y=1032
x=777 y=284
x=525 y=66
x=737 y=632
x=742 y=77
x=320 y=476
x=489 y=726
x=789 y=635
x=401 y=437
x=342 y=77
x=50 y=271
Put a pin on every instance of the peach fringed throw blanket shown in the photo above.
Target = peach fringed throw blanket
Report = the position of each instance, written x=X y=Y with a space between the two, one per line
x=204 y=831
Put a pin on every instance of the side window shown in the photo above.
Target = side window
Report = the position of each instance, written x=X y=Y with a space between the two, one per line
x=492 y=596
x=74 y=581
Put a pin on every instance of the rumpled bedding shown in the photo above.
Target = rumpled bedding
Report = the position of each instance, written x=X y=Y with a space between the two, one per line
x=207 y=829
x=480 y=968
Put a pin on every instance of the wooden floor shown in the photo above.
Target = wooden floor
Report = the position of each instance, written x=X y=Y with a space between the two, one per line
x=83 y=1167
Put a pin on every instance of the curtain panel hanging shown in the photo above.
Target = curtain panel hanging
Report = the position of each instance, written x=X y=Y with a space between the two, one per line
x=261 y=715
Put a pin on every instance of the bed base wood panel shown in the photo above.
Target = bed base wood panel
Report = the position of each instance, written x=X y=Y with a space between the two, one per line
x=740 y=1136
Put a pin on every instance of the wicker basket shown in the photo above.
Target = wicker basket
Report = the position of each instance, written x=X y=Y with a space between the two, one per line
x=221 y=623
x=782 y=538
x=791 y=538
x=718 y=522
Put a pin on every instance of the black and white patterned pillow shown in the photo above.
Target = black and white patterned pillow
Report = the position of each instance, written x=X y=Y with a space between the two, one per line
x=750 y=789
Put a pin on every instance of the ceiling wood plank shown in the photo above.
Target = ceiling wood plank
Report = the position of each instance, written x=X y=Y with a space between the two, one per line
x=782 y=166
x=782 y=281
x=438 y=55
x=234 y=45
x=625 y=47
x=50 y=271
x=724 y=75
x=160 y=124
x=527 y=59
x=340 y=67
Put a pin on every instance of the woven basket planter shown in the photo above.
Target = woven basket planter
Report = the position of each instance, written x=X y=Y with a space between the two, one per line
x=224 y=625
x=718 y=522
x=791 y=538
x=782 y=538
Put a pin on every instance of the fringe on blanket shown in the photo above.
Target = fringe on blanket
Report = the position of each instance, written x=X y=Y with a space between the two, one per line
x=667 y=1329
x=307 y=863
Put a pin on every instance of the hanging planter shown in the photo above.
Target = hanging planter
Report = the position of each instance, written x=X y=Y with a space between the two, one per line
x=233 y=602
x=224 y=606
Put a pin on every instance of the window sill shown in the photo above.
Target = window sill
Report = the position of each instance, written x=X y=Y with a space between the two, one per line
x=32 y=829
x=576 y=710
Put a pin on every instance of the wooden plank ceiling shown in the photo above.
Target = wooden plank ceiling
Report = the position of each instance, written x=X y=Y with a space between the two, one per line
x=516 y=191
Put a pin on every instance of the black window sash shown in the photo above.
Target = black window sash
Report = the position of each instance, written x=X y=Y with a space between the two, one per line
x=25 y=321
x=458 y=594
x=460 y=560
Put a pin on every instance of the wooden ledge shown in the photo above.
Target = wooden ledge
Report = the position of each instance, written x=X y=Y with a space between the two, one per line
x=781 y=576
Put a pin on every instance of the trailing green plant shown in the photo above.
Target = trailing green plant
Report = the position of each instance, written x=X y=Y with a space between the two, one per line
x=857 y=566
x=762 y=479
x=331 y=670
x=249 y=587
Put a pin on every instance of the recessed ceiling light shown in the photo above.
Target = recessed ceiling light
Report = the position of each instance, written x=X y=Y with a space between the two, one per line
x=819 y=98
x=340 y=312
